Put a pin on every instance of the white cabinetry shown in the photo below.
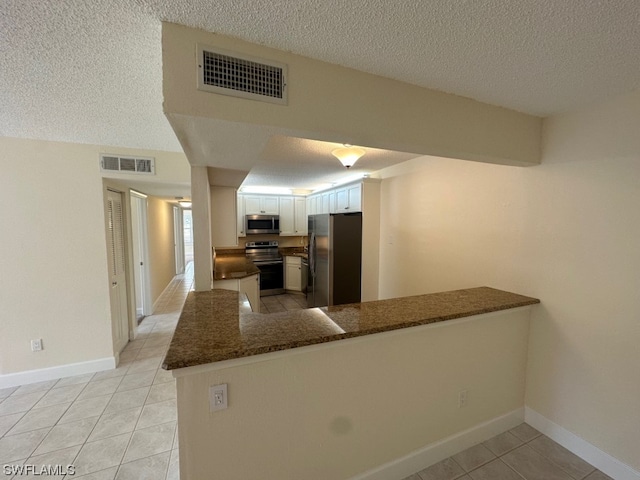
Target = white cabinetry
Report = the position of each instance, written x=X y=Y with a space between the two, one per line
x=349 y=198
x=300 y=211
x=241 y=214
x=250 y=286
x=293 y=216
x=293 y=273
x=287 y=216
x=259 y=205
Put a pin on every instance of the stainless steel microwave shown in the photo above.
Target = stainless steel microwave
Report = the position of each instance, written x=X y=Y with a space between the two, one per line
x=260 y=224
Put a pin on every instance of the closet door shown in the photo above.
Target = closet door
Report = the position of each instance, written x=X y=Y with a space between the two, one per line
x=117 y=270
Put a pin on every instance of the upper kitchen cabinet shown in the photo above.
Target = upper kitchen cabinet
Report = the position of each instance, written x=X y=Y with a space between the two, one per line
x=300 y=213
x=293 y=216
x=349 y=198
x=259 y=205
x=240 y=219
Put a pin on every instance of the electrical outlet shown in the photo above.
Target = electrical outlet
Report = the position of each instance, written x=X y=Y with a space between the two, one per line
x=36 y=345
x=463 y=398
x=218 y=397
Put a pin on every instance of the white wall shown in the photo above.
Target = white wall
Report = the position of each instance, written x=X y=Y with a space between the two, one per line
x=339 y=409
x=162 y=254
x=565 y=232
x=332 y=103
x=53 y=261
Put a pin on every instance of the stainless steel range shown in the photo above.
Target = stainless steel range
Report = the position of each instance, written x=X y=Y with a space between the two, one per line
x=267 y=258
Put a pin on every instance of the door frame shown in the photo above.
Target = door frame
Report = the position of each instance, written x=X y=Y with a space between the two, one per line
x=140 y=232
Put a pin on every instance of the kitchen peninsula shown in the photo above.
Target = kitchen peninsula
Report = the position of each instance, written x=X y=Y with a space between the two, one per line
x=380 y=380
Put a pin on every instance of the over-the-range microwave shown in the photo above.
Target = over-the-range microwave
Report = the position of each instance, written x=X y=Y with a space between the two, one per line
x=260 y=224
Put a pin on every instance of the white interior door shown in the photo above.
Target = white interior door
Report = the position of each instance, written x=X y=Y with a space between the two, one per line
x=117 y=270
x=178 y=239
x=139 y=237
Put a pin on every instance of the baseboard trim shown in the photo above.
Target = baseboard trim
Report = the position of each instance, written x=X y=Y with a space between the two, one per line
x=60 y=371
x=585 y=450
x=437 y=451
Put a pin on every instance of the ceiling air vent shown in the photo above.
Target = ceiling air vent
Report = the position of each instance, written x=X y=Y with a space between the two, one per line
x=230 y=73
x=115 y=163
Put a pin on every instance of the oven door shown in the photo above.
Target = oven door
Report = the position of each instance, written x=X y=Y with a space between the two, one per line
x=271 y=277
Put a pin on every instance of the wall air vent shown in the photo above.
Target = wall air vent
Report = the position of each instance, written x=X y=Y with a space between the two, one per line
x=230 y=73
x=137 y=165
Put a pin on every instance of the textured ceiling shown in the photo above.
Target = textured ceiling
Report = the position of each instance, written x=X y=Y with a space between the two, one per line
x=90 y=72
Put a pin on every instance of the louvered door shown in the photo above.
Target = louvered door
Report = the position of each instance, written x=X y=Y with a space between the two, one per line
x=117 y=270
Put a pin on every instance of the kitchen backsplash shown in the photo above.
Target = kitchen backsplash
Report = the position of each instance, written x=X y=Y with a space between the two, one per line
x=283 y=242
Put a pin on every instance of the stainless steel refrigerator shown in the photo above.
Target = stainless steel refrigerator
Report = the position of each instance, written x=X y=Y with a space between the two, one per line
x=335 y=259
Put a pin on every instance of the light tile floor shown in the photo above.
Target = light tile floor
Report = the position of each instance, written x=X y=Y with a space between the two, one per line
x=521 y=453
x=118 y=424
x=283 y=303
x=121 y=424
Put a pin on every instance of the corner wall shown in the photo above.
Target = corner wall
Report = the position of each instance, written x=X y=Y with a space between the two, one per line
x=566 y=232
x=54 y=281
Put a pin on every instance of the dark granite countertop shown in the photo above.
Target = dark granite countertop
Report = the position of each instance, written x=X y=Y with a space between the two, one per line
x=211 y=329
x=233 y=266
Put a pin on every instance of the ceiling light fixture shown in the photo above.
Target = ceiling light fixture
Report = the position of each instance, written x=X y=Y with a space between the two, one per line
x=348 y=155
x=185 y=204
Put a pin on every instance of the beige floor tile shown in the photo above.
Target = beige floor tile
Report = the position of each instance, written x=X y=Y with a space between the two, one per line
x=35 y=387
x=503 y=443
x=495 y=470
x=136 y=380
x=20 y=403
x=67 y=435
x=150 y=441
x=533 y=466
x=60 y=395
x=5 y=392
x=8 y=421
x=473 y=457
x=127 y=399
x=151 y=363
x=62 y=458
x=116 y=423
x=525 y=432
x=447 y=469
x=158 y=413
x=567 y=461
x=39 y=418
x=89 y=407
x=161 y=392
x=151 y=352
x=107 y=474
x=128 y=355
x=21 y=445
x=415 y=476
x=158 y=341
x=119 y=371
x=97 y=388
x=148 y=468
x=163 y=376
x=173 y=473
x=75 y=380
x=101 y=454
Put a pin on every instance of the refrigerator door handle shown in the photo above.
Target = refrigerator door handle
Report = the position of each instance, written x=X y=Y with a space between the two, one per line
x=312 y=254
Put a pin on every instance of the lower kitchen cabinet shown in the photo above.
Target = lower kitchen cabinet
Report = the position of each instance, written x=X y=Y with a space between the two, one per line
x=293 y=273
x=250 y=286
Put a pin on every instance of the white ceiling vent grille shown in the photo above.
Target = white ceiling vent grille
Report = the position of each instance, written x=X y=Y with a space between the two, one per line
x=137 y=165
x=230 y=73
